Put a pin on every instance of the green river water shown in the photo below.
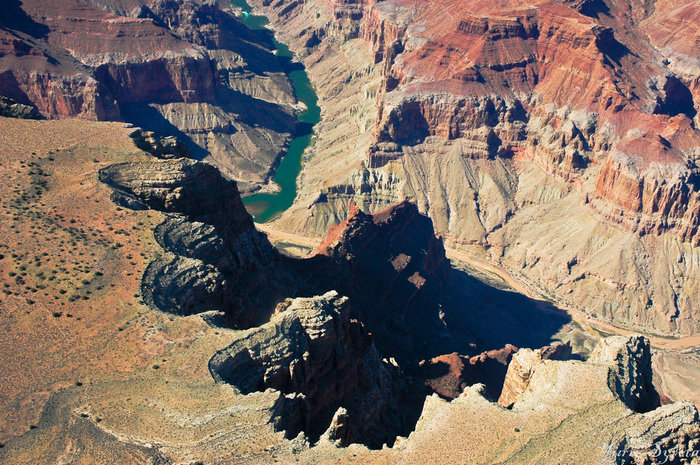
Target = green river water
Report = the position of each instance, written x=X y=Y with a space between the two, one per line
x=267 y=206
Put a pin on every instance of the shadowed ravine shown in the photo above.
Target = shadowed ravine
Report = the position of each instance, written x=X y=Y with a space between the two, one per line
x=266 y=206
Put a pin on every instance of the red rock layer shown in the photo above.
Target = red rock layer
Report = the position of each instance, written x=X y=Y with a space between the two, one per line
x=70 y=58
x=507 y=76
x=448 y=375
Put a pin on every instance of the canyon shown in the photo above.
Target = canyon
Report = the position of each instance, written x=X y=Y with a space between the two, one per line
x=556 y=139
x=492 y=256
x=300 y=373
x=188 y=69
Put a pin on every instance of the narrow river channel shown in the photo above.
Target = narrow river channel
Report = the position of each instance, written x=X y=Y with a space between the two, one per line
x=267 y=206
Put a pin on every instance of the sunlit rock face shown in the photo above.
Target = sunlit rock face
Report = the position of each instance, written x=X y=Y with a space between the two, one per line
x=558 y=136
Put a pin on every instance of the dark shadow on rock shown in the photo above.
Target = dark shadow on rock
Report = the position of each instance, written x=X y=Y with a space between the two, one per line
x=304 y=129
x=472 y=317
x=477 y=313
x=256 y=112
x=594 y=8
x=9 y=87
x=332 y=377
x=678 y=99
x=256 y=46
x=613 y=49
x=13 y=17
x=415 y=303
x=150 y=119
x=330 y=356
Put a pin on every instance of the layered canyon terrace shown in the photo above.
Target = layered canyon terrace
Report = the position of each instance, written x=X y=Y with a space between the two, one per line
x=349 y=231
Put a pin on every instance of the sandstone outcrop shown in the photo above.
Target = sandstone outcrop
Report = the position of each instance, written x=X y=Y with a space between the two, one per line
x=521 y=367
x=666 y=434
x=567 y=414
x=629 y=379
x=160 y=146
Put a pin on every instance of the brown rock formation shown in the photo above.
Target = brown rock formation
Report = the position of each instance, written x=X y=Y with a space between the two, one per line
x=159 y=146
x=325 y=363
x=183 y=68
x=521 y=367
x=141 y=376
x=448 y=375
x=568 y=59
x=393 y=268
x=221 y=262
x=651 y=198
x=557 y=136
x=567 y=414
x=630 y=374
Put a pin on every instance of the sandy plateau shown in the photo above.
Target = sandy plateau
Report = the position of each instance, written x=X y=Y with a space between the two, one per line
x=88 y=364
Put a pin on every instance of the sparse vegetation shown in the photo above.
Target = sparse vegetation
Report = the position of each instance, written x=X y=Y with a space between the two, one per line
x=64 y=253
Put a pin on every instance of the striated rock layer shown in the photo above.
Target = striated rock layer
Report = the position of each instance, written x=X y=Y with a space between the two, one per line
x=555 y=136
x=180 y=68
x=217 y=259
x=328 y=370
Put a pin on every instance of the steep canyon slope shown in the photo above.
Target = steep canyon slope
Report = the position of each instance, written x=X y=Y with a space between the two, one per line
x=145 y=318
x=557 y=138
x=110 y=359
x=188 y=68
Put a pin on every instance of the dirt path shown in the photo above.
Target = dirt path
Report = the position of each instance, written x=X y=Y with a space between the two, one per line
x=590 y=324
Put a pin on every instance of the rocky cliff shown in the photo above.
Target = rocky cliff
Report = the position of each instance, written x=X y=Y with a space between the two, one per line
x=117 y=380
x=335 y=386
x=315 y=351
x=551 y=137
x=180 y=68
x=393 y=268
x=333 y=380
x=503 y=70
x=560 y=398
x=216 y=259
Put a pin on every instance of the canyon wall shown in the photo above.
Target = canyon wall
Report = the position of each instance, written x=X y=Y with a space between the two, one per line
x=347 y=375
x=189 y=69
x=333 y=367
x=203 y=362
x=556 y=138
